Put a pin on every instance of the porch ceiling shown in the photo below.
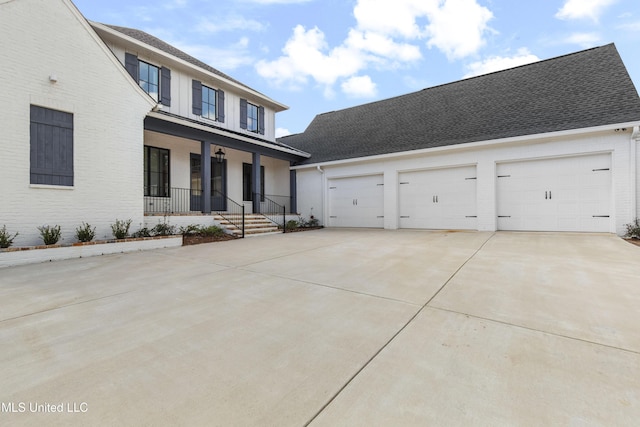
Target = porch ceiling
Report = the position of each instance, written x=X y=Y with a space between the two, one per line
x=170 y=124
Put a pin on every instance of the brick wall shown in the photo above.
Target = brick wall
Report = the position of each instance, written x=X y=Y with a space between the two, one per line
x=45 y=37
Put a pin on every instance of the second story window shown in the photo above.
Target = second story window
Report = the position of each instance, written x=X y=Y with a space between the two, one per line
x=149 y=79
x=209 y=103
x=251 y=117
x=156 y=81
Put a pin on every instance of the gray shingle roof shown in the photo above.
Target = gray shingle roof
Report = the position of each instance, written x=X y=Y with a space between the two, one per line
x=579 y=90
x=171 y=50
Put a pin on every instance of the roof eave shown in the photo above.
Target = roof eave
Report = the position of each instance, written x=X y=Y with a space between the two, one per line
x=474 y=145
x=133 y=42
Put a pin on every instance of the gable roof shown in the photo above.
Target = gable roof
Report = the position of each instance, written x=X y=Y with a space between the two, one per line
x=171 y=50
x=580 y=90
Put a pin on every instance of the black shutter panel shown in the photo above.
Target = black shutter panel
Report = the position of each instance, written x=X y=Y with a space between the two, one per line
x=261 y=120
x=243 y=113
x=165 y=86
x=51 y=151
x=131 y=64
x=220 y=106
x=196 y=93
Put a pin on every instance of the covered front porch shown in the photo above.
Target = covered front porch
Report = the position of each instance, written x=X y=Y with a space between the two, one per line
x=243 y=174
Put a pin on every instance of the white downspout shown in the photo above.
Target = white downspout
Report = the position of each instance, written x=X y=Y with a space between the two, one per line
x=322 y=196
x=635 y=141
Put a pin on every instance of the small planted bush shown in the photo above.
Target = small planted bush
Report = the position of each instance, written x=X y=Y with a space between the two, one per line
x=85 y=233
x=292 y=224
x=190 y=230
x=50 y=235
x=212 y=230
x=143 y=232
x=6 y=239
x=633 y=229
x=121 y=229
x=163 y=229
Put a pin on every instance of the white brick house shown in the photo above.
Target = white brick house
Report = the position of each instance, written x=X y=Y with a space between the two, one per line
x=103 y=123
x=550 y=146
x=60 y=79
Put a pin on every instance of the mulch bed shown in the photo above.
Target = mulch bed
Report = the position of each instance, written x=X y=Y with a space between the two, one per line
x=196 y=239
x=293 y=230
x=634 y=241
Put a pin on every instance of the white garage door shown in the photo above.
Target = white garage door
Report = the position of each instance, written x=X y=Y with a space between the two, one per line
x=356 y=202
x=438 y=199
x=564 y=194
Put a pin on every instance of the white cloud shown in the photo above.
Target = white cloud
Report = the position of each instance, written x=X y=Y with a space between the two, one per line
x=497 y=63
x=386 y=34
x=581 y=9
x=359 y=87
x=277 y=1
x=632 y=26
x=280 y=132
x=230 y=23
x=457 y=28
x=306 y=54
x=175 y=4
x=223 y=59
x=584 y=40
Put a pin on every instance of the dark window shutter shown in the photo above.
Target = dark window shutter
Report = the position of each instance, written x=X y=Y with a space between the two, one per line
x=220 y=106
x=196 y=94
x=51 y=147
x=165 y=86
x=243 y=113
x=261 y=120
x=131 y=64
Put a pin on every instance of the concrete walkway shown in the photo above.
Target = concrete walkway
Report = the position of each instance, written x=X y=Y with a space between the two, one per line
x=329 y=327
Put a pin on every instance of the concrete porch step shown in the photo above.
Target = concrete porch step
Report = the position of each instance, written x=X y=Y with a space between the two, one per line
x=254 y=224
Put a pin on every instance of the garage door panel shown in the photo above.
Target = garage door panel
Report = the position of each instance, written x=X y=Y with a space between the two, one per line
x=563 y=194
x=356 y=202
x=438 y=199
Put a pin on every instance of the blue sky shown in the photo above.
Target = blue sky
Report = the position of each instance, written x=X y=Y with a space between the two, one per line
x=324 y=55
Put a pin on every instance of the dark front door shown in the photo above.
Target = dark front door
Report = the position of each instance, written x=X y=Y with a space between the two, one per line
x=218 y=184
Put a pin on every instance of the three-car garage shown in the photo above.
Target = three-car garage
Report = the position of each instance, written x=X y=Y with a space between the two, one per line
x=565 y=193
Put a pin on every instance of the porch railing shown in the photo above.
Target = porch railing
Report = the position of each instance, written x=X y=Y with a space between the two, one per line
x=178 y=201
x=233 y=212
x=275 y=212
x=281 y=200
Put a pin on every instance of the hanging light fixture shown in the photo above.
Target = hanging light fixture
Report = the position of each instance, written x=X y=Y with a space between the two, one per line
x=220 y=155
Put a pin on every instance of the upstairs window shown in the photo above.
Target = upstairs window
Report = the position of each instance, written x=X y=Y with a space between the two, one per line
x=156 y=81
x=209 y=103
x=149 y=79
x=251 y=117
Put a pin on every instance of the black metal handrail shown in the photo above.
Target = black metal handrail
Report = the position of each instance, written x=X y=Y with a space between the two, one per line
x=281 y=200
x=178 y=200
x=273 y=211
x=234 y=211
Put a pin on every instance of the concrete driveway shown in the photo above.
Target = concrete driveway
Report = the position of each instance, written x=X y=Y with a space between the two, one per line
x=329 y=327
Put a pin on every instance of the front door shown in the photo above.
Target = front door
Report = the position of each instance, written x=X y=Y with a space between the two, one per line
x=218 y=184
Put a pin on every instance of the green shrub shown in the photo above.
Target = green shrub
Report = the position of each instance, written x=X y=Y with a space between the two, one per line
x=292 y=224
x=212 y=230
x=143 y=232
x=121 y=229
x=190 y=230
x=6 y=239
x=85 y=233
x=633 y=229
x=50 y=235
x=163 y=229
